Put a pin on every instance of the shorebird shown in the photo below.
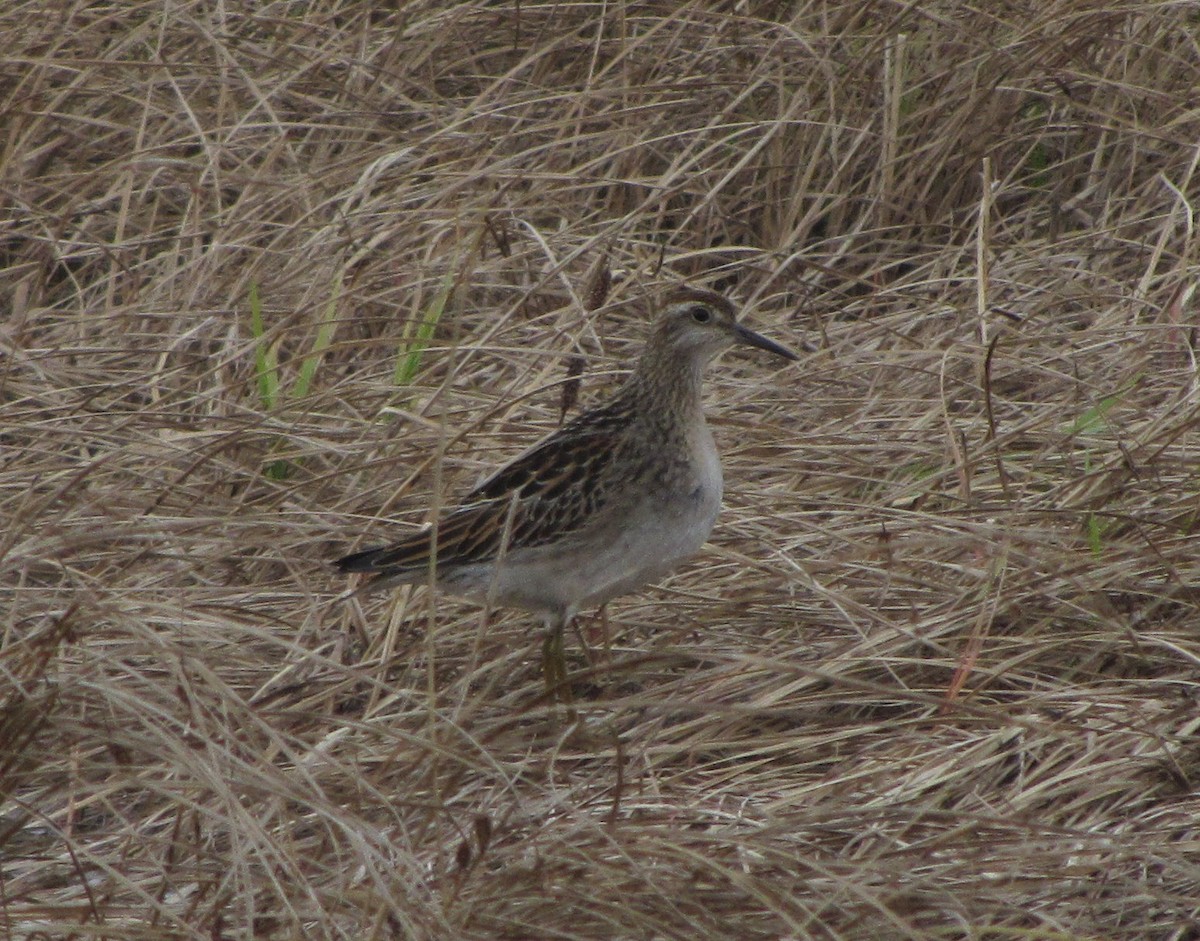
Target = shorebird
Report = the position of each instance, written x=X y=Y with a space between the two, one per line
x=615 y=499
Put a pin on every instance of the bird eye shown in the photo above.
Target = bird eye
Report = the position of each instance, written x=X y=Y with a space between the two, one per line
x=701 y=314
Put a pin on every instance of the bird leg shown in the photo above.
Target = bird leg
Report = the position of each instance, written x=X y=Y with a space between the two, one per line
x=583 y=644
x=554 y=662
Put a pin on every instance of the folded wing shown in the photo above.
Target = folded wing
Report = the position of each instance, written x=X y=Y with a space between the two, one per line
x=549 y=491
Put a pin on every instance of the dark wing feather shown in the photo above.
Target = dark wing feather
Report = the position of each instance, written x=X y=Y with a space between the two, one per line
x=548 y=491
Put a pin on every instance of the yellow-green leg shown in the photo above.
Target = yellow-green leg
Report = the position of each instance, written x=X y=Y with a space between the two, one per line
x=554 y=663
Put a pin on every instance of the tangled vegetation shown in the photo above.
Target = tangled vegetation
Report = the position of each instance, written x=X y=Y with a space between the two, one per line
x=281 y=277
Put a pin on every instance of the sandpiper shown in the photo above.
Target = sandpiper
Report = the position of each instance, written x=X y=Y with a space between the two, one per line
x=613 y=500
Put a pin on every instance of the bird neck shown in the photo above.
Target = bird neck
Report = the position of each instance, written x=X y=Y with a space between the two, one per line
x=668 y=385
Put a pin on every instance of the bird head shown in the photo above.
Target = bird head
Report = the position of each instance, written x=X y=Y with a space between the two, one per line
x=697 y=325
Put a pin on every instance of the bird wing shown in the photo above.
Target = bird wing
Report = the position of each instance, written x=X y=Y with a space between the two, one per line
x=549 y=491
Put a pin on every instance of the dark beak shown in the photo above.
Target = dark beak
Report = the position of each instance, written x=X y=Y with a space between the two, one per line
x=750 y=338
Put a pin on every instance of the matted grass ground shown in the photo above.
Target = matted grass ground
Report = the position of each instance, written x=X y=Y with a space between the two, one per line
x=278 y=277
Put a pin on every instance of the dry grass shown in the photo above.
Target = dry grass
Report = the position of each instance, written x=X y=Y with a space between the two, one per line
x=937 y=675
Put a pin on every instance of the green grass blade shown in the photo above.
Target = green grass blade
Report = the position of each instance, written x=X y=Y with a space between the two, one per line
x=308 y=368
x=266 y=357
x=278 y=470
x=1095 y=418
x=1095 y=533
x=414 y=345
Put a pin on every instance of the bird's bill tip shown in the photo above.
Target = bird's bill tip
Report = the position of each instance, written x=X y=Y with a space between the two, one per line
x=750 y=338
